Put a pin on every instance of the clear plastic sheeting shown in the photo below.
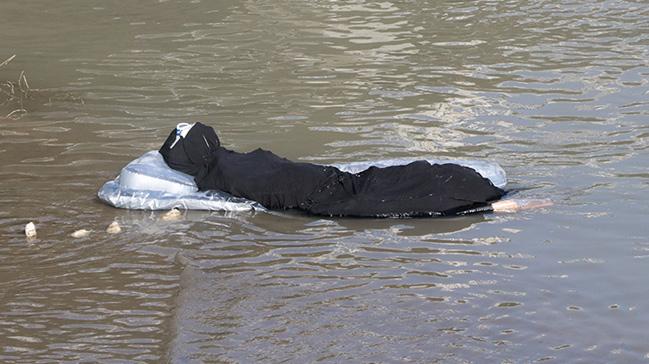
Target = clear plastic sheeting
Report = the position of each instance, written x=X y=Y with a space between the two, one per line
x=147 y=183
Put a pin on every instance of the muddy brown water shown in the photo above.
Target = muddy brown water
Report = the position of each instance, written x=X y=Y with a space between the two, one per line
x=555 y=91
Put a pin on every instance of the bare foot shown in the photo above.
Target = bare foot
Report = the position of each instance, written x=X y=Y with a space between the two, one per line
x=518 y=205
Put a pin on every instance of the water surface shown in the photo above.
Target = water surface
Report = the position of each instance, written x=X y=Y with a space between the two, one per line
x=556 y=92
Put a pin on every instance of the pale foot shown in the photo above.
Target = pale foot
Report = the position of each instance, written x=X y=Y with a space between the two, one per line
x=518 y=205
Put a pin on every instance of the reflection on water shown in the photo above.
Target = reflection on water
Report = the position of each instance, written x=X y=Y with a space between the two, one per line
x=554 y=91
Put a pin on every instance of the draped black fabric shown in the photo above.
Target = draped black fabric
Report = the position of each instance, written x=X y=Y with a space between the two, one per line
x=415 y=189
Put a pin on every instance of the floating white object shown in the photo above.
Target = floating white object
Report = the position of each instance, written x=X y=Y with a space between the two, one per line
x=173 y=214
x=81 y=233
x=147 y=183
x=114 y=228
x=30 y=230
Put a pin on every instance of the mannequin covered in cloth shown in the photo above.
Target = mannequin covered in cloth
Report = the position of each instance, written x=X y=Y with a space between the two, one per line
x=417 y=189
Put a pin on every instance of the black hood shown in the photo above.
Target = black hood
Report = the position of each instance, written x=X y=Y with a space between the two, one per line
x=191 y=153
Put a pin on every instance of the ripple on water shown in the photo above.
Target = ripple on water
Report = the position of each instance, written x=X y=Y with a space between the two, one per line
x=326 y=286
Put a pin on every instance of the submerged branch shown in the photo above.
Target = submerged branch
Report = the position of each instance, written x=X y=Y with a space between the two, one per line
x=16 y=114
x=7 y=60
x=17 y=98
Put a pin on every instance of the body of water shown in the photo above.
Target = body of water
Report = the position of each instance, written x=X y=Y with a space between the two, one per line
x=557 y=92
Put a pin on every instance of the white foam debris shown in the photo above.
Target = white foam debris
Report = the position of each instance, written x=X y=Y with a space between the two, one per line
x=30 y=230
x=173 y=214
x=114 y=228
x=81 y=233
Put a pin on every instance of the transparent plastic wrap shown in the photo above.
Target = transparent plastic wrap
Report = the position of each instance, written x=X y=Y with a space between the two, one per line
x=147 y=183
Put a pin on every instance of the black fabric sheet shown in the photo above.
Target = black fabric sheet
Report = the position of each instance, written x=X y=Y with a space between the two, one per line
x=412 y=190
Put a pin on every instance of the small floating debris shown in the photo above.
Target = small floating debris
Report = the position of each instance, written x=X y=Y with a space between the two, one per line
x=81 y=233
x=114 y=228
x=30 y=230
x=173 y=214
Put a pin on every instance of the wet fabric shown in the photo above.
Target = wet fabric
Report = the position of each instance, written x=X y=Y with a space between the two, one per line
x=412 y=190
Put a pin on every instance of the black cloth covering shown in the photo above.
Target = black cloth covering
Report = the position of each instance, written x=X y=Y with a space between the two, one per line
x=412 y=190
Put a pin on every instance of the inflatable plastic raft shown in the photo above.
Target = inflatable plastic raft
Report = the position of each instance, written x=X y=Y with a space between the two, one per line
x=147 y=183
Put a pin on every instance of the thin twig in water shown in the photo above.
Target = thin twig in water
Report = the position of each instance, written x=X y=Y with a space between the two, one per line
x=20 y=97
x=7 y=60
x=11 y=114
x=23 y=85
x=10 y=86
x=23 y=78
